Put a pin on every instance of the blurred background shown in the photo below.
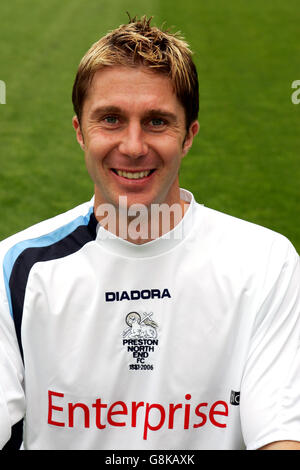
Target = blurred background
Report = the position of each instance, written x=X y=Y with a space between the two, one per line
x=245 y=159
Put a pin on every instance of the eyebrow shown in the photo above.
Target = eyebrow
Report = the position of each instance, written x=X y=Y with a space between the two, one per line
x=97 y=112
x=161 y=113
x=101 y=110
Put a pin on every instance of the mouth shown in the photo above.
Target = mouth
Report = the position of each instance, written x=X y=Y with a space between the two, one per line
x=133 y=174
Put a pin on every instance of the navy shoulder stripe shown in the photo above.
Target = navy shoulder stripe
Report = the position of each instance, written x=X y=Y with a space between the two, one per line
x=21 y=258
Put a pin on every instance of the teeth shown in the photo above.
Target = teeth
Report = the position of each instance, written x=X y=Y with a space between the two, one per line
x=136 y=175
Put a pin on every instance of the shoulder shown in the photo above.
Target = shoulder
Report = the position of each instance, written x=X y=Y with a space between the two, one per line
x=241 y=236
x=243 y=250
x=42 y=235
x=48 y=226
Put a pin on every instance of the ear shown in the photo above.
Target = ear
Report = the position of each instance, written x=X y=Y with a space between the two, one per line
x=79 y=134
x=191 y=134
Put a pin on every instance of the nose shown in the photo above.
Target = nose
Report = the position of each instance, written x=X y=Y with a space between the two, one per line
x=133 y=142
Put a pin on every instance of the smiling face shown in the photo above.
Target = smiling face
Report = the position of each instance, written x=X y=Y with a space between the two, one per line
x=134 y=136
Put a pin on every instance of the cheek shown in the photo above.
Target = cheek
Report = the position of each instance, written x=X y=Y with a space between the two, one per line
x=96 y=146
x=94 y=154
x=97 y=149
x=172 y=154
x=91 y=166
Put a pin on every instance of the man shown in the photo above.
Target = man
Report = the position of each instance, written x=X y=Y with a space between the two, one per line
x=214 y=361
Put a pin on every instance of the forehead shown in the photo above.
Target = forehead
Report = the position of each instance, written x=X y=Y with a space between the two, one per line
x=133 y=88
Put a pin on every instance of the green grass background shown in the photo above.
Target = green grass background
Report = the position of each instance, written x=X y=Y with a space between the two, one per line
x=245 y=160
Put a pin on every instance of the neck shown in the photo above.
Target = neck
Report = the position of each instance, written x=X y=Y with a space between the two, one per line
x=141 y=224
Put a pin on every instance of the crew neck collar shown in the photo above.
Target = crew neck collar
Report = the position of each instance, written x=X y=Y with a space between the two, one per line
x=166 y=242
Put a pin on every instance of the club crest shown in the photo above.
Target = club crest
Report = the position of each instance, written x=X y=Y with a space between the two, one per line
x=140 y=327
x=140 y=338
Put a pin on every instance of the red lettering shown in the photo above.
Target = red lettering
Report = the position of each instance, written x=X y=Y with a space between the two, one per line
x=201 y=415
x=187 y=412
x=161 y=421
x=213 y=412
x=86 y=410
x=98 y=405
x=52 y=407
x=111 y=412
x=151 y=418
x=172 y=409
x=135 y=407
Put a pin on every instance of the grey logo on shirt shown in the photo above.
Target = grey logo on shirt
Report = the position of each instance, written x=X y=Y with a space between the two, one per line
x=235 y=398
x=140 y=327
x=140 y=339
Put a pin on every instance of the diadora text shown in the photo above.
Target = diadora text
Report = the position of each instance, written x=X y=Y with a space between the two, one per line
x=137 y=295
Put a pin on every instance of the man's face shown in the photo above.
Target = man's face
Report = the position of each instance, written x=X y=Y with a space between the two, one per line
x=134 y=136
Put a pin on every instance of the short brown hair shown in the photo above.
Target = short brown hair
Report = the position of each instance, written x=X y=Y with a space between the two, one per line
x=138 y=43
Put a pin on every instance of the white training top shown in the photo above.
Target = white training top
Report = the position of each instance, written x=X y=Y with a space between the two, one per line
x=190 y=341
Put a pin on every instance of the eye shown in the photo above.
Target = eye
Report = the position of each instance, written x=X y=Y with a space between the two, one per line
x=157 y=122
x=110 y=119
